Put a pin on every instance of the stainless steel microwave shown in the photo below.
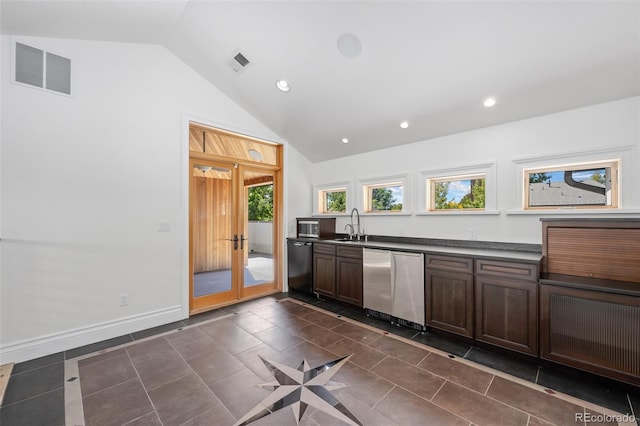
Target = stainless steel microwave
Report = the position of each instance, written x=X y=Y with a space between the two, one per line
x=316 y=227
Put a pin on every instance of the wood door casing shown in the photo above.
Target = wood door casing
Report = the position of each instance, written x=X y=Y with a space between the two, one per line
x=234 y=151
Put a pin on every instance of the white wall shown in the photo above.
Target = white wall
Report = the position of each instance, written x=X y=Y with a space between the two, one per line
x=298 y=196
x=610 y=125
x=85 y=182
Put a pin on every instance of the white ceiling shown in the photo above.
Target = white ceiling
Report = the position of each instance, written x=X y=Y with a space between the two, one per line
x=429 y=62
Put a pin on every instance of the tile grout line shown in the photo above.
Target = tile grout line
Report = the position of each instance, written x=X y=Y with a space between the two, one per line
x=467 y=353
x=124 y=346
x=496 y=373
x=631 y=406
x=153 y=406
x=489 y=386
x=2 y=405
x=343 y=318
x=210 y=390
x=437 y=392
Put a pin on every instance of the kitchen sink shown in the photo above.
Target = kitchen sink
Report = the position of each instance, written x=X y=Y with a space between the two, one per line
x=347 y=240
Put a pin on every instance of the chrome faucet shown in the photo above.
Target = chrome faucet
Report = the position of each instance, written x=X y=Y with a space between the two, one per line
x=358 y=224
x=349 y=227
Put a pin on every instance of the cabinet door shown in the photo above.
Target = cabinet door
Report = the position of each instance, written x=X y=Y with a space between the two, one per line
x=349 y=274
x=507 y=313
x=449 y=301
x=324 y=274
x=591 y=330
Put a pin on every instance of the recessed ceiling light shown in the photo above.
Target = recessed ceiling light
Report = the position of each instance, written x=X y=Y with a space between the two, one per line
x=349 y=45
x=489 y=102
x=283 y=85
x=345 y=140
x=404 y=124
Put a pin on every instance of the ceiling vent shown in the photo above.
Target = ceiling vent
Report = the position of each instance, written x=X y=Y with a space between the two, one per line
x=239 y=62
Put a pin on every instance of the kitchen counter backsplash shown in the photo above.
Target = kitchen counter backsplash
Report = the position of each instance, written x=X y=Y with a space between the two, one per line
x=471 y=244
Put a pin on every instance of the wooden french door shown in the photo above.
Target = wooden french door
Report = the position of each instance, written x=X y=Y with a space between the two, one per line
x=232 y=257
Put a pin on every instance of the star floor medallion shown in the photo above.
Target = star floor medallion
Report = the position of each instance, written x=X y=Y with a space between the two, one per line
x=300 y=388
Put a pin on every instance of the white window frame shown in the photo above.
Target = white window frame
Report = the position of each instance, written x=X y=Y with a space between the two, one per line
x=628 y=200
x=612 y=196
x=318 y=190
x=399 y=180
x=487 y=170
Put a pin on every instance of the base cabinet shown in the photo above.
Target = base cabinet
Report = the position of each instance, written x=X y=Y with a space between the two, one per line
x=507 y=305
x=591 y=330
x=324 y=269
x=349 y=275
x=337 y=272
x=449 y=294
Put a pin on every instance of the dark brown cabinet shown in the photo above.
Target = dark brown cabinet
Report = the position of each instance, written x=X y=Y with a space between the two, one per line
x=592 y=330
x=449 y=293
x=590 y=295
x=337 y=272
x=349 y=275
x=507 y=305
x=324 y=269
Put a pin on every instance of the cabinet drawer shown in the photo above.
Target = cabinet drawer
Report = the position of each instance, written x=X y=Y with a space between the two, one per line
x=354 y=252
x=324 y=248
x=449 y=263
x=521 y=271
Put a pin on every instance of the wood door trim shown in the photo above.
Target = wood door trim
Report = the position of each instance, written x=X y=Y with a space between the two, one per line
x=242 y=293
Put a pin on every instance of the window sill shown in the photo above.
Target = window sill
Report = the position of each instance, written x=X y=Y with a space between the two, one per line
x=460 y=213
x=386 y=214
x=570 y=211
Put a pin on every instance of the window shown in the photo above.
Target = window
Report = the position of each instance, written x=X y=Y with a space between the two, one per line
x=457 y=192
x=386 y=197
x=582 y=185
x=332 y=198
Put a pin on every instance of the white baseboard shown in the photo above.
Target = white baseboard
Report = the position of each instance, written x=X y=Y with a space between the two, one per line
x=53 y=343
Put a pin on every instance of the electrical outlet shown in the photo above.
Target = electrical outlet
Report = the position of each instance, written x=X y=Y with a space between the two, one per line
x=124 y=299
x=472 y=234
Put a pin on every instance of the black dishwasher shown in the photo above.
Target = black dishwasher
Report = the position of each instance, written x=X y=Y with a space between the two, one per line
x=300 y=264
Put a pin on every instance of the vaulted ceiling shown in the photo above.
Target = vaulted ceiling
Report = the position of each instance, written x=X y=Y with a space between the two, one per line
x=431 y=63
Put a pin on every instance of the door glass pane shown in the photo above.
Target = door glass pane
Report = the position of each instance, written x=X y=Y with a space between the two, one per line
x=212 y=230
x=258 y=255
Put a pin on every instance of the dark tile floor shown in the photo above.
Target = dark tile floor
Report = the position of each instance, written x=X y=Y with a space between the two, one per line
x=35 y=395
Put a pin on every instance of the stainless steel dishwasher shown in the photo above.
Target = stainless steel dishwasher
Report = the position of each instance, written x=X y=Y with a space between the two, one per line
x=393 y=284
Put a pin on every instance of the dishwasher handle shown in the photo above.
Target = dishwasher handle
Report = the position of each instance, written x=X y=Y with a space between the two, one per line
x=301 y=244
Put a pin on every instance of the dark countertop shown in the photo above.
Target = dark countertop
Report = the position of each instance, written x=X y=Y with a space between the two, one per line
x=594 y=284
x=448 y=247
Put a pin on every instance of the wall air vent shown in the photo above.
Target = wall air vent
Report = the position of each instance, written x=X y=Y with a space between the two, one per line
x=239 y=62
x=39 y=68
